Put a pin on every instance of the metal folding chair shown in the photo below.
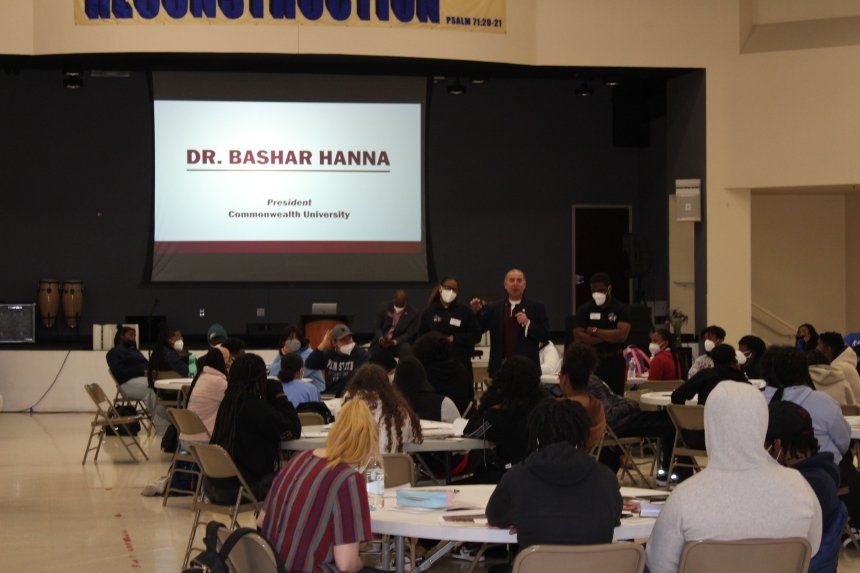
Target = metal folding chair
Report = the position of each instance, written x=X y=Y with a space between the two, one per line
x=216 y=463
x=186 y=422
x=615 y=557
x=106 y=416
x=790 y=555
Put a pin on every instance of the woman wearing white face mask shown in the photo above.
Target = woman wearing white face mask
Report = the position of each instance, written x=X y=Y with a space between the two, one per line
x=447 y=314
x=169 y=353
x=664 y=363
x=714 y=336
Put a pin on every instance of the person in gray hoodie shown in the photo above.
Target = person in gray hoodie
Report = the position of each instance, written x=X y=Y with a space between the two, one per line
x=743 y=493
x=558 y=494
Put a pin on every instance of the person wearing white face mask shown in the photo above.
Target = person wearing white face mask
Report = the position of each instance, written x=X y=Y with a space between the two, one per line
x=714 y=336
x=339 y=356
x=396 y=326
x=664 y=362
x=446 y=314
x=604 y=323
x=169 y=353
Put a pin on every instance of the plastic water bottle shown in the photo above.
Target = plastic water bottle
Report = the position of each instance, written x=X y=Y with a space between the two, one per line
x=192 y=366
x=631 y=369
x=374 y=475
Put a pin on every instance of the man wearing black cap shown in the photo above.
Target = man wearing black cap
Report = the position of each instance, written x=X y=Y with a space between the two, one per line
x=339 y=356
x=604 y=323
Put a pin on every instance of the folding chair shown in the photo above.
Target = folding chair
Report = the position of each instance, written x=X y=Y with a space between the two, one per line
x=614 y=557
x=120 y=399
x=185 y=422
x=628 y=464
x=168 y=398
x=107 y=416
x=311 y=419
x=216 y=463
x=790 y=555
x=686 y=418
x=399 y=470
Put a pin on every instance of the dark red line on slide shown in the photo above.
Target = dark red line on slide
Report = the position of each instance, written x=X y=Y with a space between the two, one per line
x=285 y=247
x=302 y=170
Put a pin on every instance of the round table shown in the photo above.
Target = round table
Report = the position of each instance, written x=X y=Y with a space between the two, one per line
x=400 y=522
x=663 y=399
x=174 y=384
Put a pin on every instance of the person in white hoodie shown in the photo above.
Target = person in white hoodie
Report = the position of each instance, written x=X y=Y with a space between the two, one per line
x=832 y=345
x=743 y=492
x=829 y=379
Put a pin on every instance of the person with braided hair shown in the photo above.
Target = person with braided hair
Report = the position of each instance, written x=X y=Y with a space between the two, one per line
x=252 y=420
x=791 y=442
x=558 y=494
x=398 y=423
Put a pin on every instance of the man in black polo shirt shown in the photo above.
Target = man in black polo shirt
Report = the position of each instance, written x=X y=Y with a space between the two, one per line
x=604 y=323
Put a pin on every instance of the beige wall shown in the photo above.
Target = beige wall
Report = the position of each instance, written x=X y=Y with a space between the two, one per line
x=852 y=264
x=774 y=119
x=798 y=263
x=16 y=27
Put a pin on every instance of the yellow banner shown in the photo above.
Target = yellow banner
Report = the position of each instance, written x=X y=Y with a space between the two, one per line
x=465 y=15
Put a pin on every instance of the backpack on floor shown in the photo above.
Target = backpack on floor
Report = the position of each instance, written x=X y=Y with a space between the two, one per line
x=129 y=429
x=215 y=559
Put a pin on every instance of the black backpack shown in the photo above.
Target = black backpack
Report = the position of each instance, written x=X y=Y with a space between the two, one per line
x=215 y=560
x=129 y=429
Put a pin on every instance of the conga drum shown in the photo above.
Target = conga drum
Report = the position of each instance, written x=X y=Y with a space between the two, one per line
x=48 y=301
x=73 y=301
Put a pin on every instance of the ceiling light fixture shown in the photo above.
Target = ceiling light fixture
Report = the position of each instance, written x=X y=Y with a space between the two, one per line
x=456 y=88
x=72 y=79
x=584 y=90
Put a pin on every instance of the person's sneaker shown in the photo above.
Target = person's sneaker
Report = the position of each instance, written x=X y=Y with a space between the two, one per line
x=662 y=479
x=467 y=552
x=407 y=563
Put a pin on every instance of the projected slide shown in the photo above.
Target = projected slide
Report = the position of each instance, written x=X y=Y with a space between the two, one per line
x=288 y=191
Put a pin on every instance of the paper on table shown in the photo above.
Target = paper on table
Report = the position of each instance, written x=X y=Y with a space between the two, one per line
x=463 y=519
x=459 y=425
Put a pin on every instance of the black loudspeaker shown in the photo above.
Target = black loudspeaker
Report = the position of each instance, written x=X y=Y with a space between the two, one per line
x=640 y=326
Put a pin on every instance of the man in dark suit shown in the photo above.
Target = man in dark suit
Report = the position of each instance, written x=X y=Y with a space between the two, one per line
x=396 y=326
x=517 y=325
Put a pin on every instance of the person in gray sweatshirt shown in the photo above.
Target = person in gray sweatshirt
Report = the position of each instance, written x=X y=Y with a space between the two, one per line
x=743 y=493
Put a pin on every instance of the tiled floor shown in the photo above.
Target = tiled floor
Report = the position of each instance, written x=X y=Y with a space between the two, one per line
x=56 y=515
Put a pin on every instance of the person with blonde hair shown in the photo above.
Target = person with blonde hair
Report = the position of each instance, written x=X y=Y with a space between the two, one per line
x=316 y=513
x=398 y=423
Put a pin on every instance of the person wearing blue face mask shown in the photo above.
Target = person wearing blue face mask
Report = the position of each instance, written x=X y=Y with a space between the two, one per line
x=604 y=323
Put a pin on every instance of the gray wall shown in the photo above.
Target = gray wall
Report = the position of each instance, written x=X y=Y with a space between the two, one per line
x=505 y=162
